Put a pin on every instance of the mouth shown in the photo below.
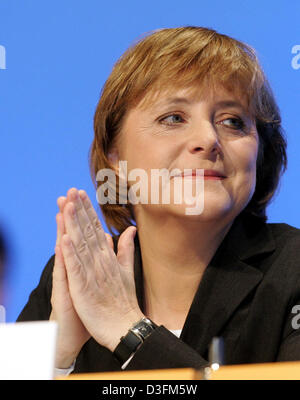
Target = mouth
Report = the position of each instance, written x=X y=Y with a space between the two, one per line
x=212 y=174
x=206 y=174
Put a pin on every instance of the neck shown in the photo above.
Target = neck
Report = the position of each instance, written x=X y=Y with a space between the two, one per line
x=175 y=254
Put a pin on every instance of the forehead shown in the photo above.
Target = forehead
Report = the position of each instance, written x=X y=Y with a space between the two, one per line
x=213 y=94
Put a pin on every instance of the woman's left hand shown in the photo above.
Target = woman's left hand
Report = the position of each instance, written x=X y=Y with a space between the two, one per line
x=101 y=283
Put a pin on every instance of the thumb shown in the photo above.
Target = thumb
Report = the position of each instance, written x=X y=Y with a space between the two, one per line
x=125 y=254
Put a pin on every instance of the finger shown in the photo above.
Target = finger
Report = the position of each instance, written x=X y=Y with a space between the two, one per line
x=93 y=217
x=78 y=240
x=110 y=241
x=59 y=271
x=59 y=278
x=88 y=236
x=105 y=255
x=60 y=228
x=103 y=250
x=84 y=222
x=76 y=274
x=125 y=254
x=61 y=202
x=125 y=258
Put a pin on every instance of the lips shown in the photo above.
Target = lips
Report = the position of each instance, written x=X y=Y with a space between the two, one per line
x=207 y=172
x=211 y=172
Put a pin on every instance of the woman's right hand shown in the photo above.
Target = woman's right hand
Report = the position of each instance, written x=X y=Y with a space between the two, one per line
x=72 y=334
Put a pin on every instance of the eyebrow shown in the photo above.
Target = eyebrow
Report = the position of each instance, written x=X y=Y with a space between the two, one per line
x=230 y=103
x=177 y=100
x=221 y=103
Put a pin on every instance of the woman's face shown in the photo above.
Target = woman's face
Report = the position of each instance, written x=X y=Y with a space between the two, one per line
x=179 y=131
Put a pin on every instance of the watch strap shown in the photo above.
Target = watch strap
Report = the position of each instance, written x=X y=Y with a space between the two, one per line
x=127 y=346
x=133 y=339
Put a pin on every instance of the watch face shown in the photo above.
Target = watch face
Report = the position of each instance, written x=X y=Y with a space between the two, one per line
x=143 y=328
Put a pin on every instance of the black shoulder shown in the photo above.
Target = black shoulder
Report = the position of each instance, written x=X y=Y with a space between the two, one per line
x=38 y=306
x=284 y=230
x=286 y=237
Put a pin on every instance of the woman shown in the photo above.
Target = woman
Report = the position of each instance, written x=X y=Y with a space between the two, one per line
x=182 y=98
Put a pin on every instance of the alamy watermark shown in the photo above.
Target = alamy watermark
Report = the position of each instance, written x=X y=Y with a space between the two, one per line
x=296 y=318
x=2 y=57
x=187 y=187
x=296 y=59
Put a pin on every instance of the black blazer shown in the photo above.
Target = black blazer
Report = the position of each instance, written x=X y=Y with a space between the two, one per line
x=246 y=295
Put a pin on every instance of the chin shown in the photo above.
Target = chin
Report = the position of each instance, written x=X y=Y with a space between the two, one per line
x=196 y=212
x=212 y=205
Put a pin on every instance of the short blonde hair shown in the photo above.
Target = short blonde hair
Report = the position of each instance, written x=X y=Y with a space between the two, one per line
x=180 y=58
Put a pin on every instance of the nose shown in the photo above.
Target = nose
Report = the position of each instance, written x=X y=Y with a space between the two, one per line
x=203 y=139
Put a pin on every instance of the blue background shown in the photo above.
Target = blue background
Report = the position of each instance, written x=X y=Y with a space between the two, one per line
x=58 y=56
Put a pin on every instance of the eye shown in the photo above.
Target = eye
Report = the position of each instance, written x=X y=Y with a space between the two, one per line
x=172 y=119
x=234 y=123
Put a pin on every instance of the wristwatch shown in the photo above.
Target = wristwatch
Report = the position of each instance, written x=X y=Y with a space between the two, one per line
x=134 y=338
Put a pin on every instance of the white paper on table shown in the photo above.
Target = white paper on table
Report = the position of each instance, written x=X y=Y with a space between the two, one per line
x=2 y=314
x=27 y=350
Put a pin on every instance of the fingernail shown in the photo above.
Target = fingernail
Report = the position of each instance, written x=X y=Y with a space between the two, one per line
x=74 y=195
x=82 y=194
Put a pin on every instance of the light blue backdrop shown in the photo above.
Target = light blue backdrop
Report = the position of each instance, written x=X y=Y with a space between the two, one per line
x=58 y=54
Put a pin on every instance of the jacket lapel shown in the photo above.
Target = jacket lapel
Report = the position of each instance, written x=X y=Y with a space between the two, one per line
x=225 y=283
x=227 y=280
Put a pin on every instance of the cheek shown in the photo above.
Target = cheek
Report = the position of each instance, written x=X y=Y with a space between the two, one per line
x=251 y=160
x=244 y=157
x=241 y=159
x=244 y=175
x=145 y=153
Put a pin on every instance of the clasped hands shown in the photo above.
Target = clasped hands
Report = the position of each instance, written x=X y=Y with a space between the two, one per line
x=93 y=292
